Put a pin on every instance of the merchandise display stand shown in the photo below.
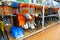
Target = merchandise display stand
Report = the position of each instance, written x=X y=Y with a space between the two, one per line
x=30 y=9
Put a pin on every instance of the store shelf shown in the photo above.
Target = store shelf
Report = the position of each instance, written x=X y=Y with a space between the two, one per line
x=52 y=25
x=50 y=15
x=53 y=15
x=7 y=25
x=28 y=34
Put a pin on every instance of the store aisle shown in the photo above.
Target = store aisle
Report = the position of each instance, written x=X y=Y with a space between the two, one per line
x=52 y=33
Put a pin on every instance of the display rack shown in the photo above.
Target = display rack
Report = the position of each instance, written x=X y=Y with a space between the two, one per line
x=27 y=33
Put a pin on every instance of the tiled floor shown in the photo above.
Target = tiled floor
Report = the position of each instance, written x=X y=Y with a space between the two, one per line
x=52 y=33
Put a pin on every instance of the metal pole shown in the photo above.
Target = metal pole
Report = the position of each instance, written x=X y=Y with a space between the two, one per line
x=59 y=14
x=43 y=17
x=43 y=10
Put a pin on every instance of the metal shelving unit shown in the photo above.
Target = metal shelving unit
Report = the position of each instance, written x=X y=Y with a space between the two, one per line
x=43 y=28
x=38 y=31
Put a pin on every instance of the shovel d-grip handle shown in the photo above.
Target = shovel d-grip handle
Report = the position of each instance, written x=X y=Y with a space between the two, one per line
x=2 y=26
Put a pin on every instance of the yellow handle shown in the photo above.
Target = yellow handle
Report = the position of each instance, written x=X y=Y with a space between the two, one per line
x=2 y=26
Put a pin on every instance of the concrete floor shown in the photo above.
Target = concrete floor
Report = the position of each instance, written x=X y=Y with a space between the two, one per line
x=52 y=33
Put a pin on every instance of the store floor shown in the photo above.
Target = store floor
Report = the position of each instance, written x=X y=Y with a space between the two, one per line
x=52 y=33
